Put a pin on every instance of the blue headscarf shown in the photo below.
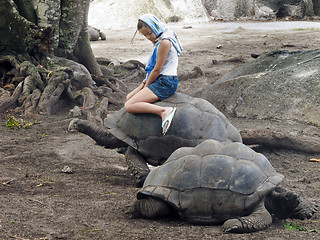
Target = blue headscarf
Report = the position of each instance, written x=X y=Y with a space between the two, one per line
x=162 y=32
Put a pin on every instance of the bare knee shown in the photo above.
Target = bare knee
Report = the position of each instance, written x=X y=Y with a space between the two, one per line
x=128 y=107
x=128 y=96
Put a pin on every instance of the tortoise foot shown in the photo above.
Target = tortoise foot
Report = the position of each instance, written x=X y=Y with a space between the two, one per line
x=232 y=226
x=304 y=210
x=285 y=203
x=260 y=219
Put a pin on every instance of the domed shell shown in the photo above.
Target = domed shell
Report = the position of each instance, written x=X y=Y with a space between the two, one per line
x=195 y=121
x=213 y=181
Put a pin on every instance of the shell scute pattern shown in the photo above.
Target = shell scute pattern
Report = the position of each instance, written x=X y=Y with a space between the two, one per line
x=206 y=183
x=195 y=120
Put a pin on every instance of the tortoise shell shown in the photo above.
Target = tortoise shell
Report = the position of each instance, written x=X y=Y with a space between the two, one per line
x=195 y=121
x=212 y=182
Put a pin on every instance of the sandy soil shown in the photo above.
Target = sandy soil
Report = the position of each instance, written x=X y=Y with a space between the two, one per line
x=39 y=201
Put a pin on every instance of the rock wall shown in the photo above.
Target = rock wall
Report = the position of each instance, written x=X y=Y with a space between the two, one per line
x=110 y=14
x=261 y=9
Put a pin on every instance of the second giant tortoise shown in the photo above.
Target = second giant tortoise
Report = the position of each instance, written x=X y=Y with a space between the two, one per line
x=195 y=121
x=217 y=183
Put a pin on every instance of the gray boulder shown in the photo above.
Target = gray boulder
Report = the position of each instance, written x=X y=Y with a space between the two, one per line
x=280 y=85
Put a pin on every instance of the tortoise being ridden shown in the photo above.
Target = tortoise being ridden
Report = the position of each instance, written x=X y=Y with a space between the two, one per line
x=195 y=120
x=217 y=182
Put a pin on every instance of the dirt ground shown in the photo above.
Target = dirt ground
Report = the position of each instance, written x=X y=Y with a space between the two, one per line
x=39 y=201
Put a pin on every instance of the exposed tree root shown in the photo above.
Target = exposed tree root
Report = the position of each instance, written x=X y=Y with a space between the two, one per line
x=102 y=80
x=10 y=101
x=278 y=139
x=37 y=89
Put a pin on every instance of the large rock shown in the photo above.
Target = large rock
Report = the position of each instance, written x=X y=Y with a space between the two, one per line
x=279 y=85
x=261 y=9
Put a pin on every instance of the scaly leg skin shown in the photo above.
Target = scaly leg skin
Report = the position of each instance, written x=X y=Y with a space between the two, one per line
x=150 y=208
x=137 y=165
x=284 y=203
x=304 y=210
x=258 y=220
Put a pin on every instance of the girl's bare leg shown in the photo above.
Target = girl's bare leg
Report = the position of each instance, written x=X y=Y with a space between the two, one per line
x=132 y=93
x=142 y=101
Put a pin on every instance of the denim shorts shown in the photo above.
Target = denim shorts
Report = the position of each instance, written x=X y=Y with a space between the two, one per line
x=164 y=86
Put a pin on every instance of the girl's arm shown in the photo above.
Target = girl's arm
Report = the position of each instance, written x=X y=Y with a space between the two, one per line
x=163 y=51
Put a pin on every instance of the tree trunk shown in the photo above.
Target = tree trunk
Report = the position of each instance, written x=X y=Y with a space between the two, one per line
x=74 y=42
x=39 y=28
x=45 y=53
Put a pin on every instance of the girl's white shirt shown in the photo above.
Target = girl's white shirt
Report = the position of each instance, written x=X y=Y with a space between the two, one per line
x=171 y=64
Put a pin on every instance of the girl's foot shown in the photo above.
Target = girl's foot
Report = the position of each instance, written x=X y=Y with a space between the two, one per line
x=167 y=116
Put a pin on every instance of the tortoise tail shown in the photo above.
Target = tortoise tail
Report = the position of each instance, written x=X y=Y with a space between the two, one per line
x=151 y=208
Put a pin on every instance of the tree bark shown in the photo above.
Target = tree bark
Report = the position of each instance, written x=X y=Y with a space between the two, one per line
x=33 y=34
x=74 y=42
x=15 y=30
x=38 y=28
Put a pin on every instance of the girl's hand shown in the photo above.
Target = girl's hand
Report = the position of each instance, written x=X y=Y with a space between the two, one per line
x=135 y=91
x=143 y=83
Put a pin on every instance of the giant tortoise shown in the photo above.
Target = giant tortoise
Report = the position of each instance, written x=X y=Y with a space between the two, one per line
x=195 y=121
x=218 y=182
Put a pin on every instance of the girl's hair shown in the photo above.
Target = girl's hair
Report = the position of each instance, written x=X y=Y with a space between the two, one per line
x=140 y=25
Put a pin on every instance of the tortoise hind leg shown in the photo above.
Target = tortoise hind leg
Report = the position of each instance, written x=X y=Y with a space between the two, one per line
x=150 y=208
x=284 y=203
x=258 y=220
x=137 y=166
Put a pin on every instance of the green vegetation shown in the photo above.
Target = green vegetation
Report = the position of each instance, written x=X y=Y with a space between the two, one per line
x=303 y=29
x=294 y=226
x=18 y=124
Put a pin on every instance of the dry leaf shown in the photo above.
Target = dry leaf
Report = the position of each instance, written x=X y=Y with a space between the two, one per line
x=314 y=160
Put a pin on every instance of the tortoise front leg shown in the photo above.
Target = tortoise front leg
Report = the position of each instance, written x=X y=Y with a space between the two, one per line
x=137 y=166
x=285 y=203
x=258 y=220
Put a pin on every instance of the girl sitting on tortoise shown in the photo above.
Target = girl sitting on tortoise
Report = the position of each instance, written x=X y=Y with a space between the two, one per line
x=161 y=80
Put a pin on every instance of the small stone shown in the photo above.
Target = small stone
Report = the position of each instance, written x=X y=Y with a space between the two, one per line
x=254 y=55
x=66 y=169
x=75 y=112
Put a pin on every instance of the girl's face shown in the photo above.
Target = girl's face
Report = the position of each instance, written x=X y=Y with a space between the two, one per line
x=147 y=32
